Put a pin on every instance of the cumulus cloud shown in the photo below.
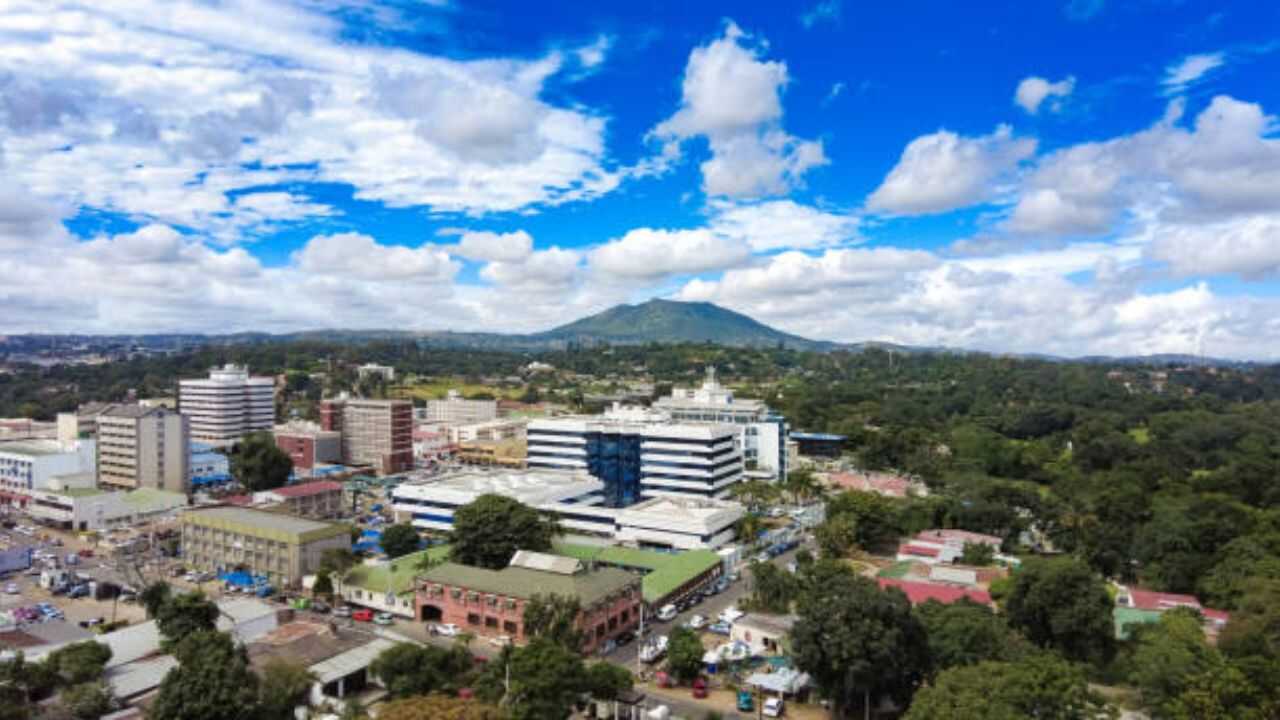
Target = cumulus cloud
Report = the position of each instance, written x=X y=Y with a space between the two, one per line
x=1034 y=90
x=944 y=171
x=775 y=224
x=1190 y=69
x=733 y=98
x=497 y=247
x=648 y=253
x=551 y=271
x=158 y=109
x=359 y=255
x=593 y=55
x=1248 y=247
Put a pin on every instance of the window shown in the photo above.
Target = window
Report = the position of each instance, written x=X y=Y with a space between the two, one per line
x=626 y=615
x=492 y=600
x=490 y=622
x=613 y=623
x=455 y=593
x=510 y=628
x=473 y=619
x=600 y=632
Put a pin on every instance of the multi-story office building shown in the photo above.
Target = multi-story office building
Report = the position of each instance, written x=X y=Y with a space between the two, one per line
x=762 y=434
x=28 y=466
x=81 y=424
x=140 y=447
x=640 y=453
x=376 y=433
x=227 y=405
x=307 y=445
x=281 y=547
x=456 y=409
x=386 y=372
x=575 y=499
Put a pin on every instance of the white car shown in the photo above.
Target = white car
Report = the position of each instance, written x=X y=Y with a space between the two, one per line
x=11 y=589
x=447 y=630
x=731 y=615
x=500 y=640
x=774 y=707
x=696 y=622
x=382 y=618
x=667 y=613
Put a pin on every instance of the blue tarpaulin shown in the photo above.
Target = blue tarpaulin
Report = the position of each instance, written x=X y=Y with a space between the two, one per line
x=242 y=579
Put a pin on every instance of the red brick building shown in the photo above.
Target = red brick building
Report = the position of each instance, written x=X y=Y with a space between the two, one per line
x=308 y=445
x=491 y=602
x=375 y=433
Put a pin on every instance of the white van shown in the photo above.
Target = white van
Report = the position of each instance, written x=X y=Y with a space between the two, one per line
x=774 y=707
x=667 y=612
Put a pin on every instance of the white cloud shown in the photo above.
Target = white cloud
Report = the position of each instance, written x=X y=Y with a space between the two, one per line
x=648 y=253
x=359 y=255
x=593 y=55
x=733 y=98
x=158 y=108
x=778 y=224
x=944 y=171
x=497 y=247
x=1033 y=91
x=1190 y=69
x=1248 y=247
x=552 y=270
x=825 y=11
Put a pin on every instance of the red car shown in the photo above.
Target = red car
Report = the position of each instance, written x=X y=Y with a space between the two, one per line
x=699 y=688
x=362 y=616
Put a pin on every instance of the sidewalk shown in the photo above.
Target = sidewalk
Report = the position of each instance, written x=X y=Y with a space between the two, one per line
x=724 y=702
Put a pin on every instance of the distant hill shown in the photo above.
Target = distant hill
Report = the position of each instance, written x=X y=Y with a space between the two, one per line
x=668 y=321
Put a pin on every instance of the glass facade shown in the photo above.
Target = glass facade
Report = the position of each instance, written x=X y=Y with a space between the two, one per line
x=615 y=460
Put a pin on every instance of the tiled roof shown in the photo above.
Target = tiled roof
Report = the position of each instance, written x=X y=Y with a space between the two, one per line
x=1152 y=600
x=911 y=549
x=306 y=489
x=919 y=592
x=588 y=587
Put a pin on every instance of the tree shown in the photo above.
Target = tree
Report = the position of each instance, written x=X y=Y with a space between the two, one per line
x=773 y=588
x=876 y=518
x=837 y=536
x=684 y=654
x=185 y=615
x=1167 y=655
x=966 y=633
x=857 y=642
x=323 y=586
x=554 y=617
x=400 y=539
x=337 y=561
x=802 y=485
x=87 y=701
x=80 y=662
x=258 y=464
x=490 y=529
x=408 y=669
x=154 y=596
x=755 y=494
x=606 y=681
x=748 y=528
x=282 y=686
x=211 y=682
x=439 y=707
x=979 y=554
x=1060 y=603
x=540 y=681
x=1041 y=686
x=1222 y=692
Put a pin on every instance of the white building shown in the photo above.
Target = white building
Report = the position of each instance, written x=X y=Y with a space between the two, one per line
x=456 y=409
x=144 y=447
x=386 y=372
x=87 y=508
x=227 y=405
x=640 y=453
x=675 y=522
x=30 y=465
x=762 y=435
x=488 y=431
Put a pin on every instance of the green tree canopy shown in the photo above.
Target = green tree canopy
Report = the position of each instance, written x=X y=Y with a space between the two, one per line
x=966 y=633
x=213 y=681
x=154 y=596
x=258 y=464
x=400 y=539
x=282 y=686
x=337 y=561
x=323 y=586
x=408 y=669
x=540 y=681
x=875 y=517
x=773 y=589
x=606 y=681
x=80 y=662
x=554 y=617
x=185 y=615
x=86 y=701
x=439 y=707
x=859 y=643
x=1040 y=686
x=1060 y=603
x=1167 y=654
x=684 y=654
x=488 y=531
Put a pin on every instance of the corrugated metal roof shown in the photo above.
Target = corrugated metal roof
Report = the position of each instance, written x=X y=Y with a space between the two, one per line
x=518 y=582
x=547 y=563
x=259 y=523
x=351 y=661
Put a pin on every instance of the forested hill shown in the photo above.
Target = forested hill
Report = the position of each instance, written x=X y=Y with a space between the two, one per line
x=667 y=321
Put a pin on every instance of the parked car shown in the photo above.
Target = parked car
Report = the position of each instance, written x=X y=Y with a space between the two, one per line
x=697 y=622
x=445 y=629
x=363 y=615
x=342 y=611
x=763 y=557
x=699 y=688
x=668 y=613
x=383 y=618
x=500 y=640
x=11 y=588
x=92 y=622
x=730 y=615
x=774 y=707
x=746 y=703
x=320 y=607
x=78 y=591
x=625 y=638
x=720 y=628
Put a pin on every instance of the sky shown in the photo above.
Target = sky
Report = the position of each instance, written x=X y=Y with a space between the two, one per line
x=1071 y=177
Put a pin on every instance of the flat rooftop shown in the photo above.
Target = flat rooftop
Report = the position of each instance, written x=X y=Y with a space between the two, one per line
x=687 y=506
x=396 y=575
x=532 y=487
x=32 y=448
x=664 y=572
x=588 y=586
x=260 y=523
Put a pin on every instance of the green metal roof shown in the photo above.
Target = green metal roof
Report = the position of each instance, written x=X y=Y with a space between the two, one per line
x=664 y=572
x=589 y=587
x=262 y=524
x=398 y=573
x=1125 y=618
x=153 y=496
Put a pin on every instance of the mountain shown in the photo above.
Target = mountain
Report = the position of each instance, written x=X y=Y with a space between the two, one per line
x=668 y=321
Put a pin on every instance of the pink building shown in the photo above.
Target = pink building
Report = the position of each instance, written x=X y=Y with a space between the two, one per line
x=491 y=602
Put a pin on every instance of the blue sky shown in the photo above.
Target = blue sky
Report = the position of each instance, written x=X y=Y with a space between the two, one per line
x=1069 y=177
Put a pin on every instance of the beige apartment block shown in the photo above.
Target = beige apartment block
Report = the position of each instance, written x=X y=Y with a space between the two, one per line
x=282 y=548
x=140 y=447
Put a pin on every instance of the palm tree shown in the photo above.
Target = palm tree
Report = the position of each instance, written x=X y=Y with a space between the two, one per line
x=802 y=485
